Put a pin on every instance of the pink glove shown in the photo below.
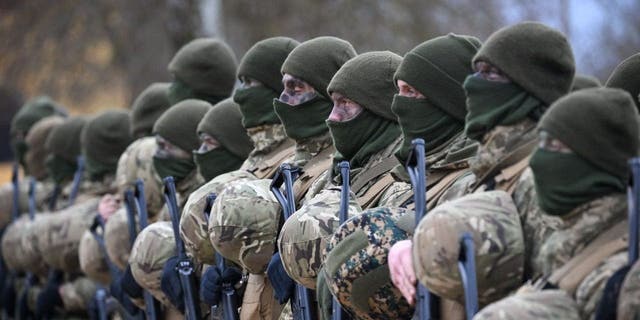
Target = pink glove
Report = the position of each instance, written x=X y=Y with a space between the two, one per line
x=108 y=205
x=401 y=269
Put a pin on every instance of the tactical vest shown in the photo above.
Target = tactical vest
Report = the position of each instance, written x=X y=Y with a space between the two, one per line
x=505 y=174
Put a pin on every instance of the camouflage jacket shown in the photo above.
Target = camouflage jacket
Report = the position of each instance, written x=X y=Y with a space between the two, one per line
x=43 y=194
x=569 y=238
x=271 y=146
x=380 y=164
x=447 y=165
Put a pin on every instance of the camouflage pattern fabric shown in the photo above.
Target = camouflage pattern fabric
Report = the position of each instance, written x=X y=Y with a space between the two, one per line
x=43 y=193
x=309 y=148
x=137 y=163
x=29 y=250
x=60 y=237
x=547 y=304
x=77 y=294
x=194 y=228
x=265 y=139
x=152 y=248
x=11 y=244
x=356 y=267
x=492 y=220
x=116 y=238
x=35 y=139
x=244 y=223
x=581 y=226
x=536 y=225
x=498 y=144
x=629 y=297
x=92 y=259
x=304 y=235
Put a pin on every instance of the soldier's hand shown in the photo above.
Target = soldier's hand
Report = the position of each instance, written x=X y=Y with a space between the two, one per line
x=108 y=205
x=401 y=269
x=170 y=283
x=283 y=285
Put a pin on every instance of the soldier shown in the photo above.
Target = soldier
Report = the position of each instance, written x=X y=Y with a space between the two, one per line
x=33 y=111
x=303 y=107
x=260 y=78
x=147 y=108
x=63 y=146
x=203 y=69
x=513 y=85
x=625 y=77
x=176 y=139
x=580 y=172
x=102 y=141
x=365 y=132
x=437 y=116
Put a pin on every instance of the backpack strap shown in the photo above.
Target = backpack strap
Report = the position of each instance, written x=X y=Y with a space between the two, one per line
x=370 y=174
x=513 y=158
x=374 y=193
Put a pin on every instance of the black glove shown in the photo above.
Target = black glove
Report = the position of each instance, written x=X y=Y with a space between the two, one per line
x=47 y=300
x=115 y=289
x=212 y=283
x=93 y=310
x=129 y=284
x=283 y=285
x=9 y=297
x=170 y=283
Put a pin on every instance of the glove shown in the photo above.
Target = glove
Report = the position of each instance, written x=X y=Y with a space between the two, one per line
x=212 y=283
x=47 y=300
x=116 y=291
x=93 y=310
x=129 y=284
x=283 y=285
x=170 y=283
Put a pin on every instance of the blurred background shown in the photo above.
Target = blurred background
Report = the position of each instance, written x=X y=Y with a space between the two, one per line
x=99 y=54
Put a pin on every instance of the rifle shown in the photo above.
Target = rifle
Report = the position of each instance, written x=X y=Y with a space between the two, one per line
x=30 y=279
x=229 y=299
x=185 y=267
x=101 y=294
x=301 y=306
x=338 y=313
x=467 y=269
x=150 y=304
x=633 y=194
x=416 y=168
x=15 y=180
x=77 y=178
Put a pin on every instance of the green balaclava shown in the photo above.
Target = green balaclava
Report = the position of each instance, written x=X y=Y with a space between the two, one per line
x=437 y=68
x=600 y=126
x=178 y=126
x=367 y=80
x=224 y=123
x=583 y=81
x=262 y=62
x=103 y=139
x=626 y=76
x=63 y=146
x=315 y=61
x=147 y=108
x=31 y=112
x=539 y=62
x=203 y=69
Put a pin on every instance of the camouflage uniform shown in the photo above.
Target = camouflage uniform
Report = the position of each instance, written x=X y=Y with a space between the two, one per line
x=271 y=146
x=492 y=220
x=628 y=302
x=364 y=293
x=548 y=304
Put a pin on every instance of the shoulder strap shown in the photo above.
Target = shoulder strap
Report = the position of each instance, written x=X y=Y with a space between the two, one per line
x=312 y=170
x=571 y=274
x=513 y=158
x=373 y=194
x=380 y=168
x=268 y=166
x=507 y=179
x=436 y=191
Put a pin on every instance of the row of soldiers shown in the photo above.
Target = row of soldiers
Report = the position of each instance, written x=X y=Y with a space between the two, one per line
x=526 y=157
